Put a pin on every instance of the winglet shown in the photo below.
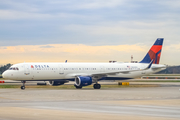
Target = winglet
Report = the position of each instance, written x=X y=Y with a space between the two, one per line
x=150 y=64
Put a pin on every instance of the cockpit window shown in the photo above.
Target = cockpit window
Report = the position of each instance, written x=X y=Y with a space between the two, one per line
x=13 y=68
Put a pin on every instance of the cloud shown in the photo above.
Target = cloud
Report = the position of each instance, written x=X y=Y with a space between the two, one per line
x=131 y=32
x=123 y=27
x=83 y=53
x=47 y=46
x=81 y=27
x=173 y=4
x=70 y=48
x=13 y=15
x=97 y=4
x=72 y=52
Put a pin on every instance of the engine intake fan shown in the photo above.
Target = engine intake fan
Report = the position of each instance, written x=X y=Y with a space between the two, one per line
x=83 y=81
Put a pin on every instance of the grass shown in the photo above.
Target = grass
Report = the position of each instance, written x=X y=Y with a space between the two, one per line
x=164 y=75
x=72 y=86
x=9 y=86
x=156 y=81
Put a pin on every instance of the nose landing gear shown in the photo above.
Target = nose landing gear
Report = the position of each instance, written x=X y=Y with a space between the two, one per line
x=23 y=87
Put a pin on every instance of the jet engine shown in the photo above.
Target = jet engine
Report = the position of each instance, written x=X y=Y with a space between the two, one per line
x=83 y=81
x=56 y=83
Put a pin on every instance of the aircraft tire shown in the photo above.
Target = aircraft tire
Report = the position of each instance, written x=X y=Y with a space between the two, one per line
x=78 y=87
x=97 y=86
x=22 y=87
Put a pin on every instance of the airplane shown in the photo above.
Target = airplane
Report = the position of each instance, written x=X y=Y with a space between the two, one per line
x=84 y=74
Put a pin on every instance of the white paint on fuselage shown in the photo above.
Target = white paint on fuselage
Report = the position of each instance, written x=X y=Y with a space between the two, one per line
x=57 y=71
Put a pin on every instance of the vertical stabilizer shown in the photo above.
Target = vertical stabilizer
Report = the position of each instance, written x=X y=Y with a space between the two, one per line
x=154 y=53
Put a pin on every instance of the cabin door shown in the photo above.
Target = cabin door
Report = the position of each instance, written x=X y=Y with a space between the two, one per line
x=102 y=69
x=61 y=69
x=26 y=69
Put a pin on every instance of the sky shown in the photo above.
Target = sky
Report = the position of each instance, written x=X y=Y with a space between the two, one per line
x=87 y=30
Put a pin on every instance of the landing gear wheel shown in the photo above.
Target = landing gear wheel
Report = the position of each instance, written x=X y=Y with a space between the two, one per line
x=22 y=87
x=97 y=86
x=78 y=87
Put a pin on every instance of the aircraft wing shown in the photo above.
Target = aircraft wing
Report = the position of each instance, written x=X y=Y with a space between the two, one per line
x=125 y=71
x=109 y=73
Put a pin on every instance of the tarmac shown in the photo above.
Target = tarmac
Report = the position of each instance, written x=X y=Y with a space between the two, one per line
x=162 y=103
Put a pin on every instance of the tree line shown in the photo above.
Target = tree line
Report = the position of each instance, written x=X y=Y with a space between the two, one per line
x=170 y=70
x=5 y=67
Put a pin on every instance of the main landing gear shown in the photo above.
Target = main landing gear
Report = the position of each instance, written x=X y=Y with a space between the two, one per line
x=23 y=87
x=78 y=87
x=97 y=86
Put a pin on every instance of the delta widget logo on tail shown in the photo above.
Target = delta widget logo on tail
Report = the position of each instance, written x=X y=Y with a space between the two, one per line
x=154 y=53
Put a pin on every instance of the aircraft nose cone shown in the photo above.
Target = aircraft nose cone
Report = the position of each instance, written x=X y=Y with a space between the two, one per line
x=4 y=75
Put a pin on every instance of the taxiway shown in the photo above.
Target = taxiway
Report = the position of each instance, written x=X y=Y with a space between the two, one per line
x=104 y=104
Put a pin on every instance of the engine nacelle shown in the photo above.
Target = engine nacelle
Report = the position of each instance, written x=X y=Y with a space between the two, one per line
x=56 y=83
x=83 y=81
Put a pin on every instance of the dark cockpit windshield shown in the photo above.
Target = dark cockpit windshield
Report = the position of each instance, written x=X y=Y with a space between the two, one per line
x=13 y=68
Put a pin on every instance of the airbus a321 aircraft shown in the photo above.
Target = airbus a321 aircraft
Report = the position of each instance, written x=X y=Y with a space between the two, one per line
x=84 y=74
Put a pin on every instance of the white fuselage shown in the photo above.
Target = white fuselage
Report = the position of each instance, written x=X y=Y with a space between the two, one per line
x=68 y=71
